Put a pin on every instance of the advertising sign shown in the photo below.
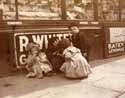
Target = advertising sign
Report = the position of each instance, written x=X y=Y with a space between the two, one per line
x=117 y=40
x=22 y=39
x=117 y=47
x=117 y=34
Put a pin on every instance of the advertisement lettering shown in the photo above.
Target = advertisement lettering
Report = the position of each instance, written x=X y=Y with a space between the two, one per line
x=116 y=47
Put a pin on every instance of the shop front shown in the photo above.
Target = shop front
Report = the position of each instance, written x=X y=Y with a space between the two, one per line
x=22 y=21
x=40 y=34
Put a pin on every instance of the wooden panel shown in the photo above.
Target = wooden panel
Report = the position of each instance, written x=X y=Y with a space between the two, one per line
x=4 y=51
x=95 y=42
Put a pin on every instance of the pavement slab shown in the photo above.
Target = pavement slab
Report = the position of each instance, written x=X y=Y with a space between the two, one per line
x=122 y=96
x=75 y=89
x=106 y=81
x=114 y=82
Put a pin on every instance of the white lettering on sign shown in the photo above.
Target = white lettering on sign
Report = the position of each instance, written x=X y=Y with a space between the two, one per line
x=14 y=23
x=59 y=36
x=46 y=41
x=116 y=47
x=65 y=35
x=38 y=39
x=116 y=50
x=23 y=41
x=22 y=59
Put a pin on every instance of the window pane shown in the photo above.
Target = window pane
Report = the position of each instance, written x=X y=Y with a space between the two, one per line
x=123 y=10
x=7 y=9
x=39 y=9
x=79 y=9
x=108 y=10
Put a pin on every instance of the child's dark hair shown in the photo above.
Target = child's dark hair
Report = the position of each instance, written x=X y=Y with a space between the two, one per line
x=53 y=39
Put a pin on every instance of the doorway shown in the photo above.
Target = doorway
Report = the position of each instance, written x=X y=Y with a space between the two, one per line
x=94 y=38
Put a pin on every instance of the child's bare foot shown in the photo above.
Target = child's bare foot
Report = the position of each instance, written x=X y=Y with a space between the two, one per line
x=49 y=74
x=40 y=77
x=31 y=75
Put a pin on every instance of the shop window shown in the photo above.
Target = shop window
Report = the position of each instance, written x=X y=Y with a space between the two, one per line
x=7 y=9
x=79 y=9
x=108 y=10
x=39 y=9
x=123 y=10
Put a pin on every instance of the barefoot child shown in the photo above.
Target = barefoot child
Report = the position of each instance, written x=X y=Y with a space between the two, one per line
x=37 y=63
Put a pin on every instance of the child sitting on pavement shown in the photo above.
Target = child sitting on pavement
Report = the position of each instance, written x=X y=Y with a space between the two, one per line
x=75 y=65
x=37 y=63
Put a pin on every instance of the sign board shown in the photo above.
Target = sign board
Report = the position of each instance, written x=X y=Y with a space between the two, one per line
x=117 y=34
x=14 y=23
x=117 y=47
x=22 y=39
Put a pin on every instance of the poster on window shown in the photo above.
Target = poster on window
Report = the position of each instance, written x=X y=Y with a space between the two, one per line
x=8 y=10
x=79 y=9
x=117 y=34
x=22 y=39
x=39 y=9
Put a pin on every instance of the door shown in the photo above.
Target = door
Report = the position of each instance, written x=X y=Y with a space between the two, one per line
x=94 y=40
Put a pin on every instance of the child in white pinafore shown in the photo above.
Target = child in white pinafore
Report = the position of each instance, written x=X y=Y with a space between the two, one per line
x=75 y=65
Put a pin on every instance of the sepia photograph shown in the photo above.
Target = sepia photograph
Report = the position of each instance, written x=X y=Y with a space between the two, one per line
x=62 y=49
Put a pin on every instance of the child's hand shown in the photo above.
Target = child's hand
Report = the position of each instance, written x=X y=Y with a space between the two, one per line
x=54 y=53
x=85 y=54
x=59 y=54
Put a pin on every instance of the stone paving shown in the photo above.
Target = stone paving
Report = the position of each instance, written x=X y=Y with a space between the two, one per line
x=106 y=81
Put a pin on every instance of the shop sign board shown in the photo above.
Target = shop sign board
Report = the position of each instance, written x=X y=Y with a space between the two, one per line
x=117 y=47
x=117 y=34
x=22 y=39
